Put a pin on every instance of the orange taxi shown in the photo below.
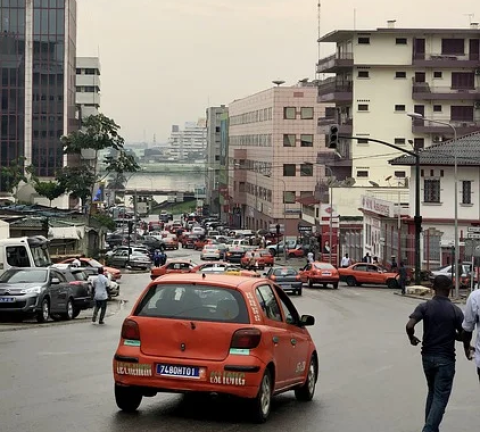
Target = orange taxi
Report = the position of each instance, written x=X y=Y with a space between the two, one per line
x=200 y=244
x=365 y=273
x=170 y=242
x=320 y=273
x=219 y=334
x=297 y=252
x=176 y=266
x=219 y=267
x=90 y=262
x=262 y=257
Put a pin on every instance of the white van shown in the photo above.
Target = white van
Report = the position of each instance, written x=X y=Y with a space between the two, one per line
x=24 y=252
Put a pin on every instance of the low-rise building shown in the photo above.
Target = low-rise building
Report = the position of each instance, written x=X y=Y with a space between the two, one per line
x=438 y=198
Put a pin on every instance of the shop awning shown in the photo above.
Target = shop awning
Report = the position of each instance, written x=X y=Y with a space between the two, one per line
x=63 y=233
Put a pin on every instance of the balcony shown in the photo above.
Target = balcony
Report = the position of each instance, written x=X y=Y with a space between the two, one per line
x=424 y=91
x=463 y=127
x=446 y=60
x=335 y=63
x=335 y=90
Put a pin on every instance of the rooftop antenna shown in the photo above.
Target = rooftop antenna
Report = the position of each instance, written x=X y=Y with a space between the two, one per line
x=470 y=17
x=319 y=35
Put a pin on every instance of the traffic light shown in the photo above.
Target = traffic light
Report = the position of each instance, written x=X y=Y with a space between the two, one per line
x=333 y=137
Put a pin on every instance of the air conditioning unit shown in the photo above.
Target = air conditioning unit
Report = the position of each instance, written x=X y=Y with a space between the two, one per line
x=477 y=105
x=437 y=139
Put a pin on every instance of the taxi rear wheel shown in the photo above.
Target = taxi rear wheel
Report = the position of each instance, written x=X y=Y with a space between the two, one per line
x=128 y=399
x=263 y=402
x=351 y=281
x=307 y=390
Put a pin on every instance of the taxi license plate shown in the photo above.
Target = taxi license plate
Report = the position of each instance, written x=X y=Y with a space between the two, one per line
x=191 y=372
x=7 y=300
x=326 y=274
x=286 y=286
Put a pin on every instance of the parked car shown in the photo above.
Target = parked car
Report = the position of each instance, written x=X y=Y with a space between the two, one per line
x=297 y=252
x=92 y=263
x=364 y=273
x=465 y=278
x=287 y=278
x=238 y=336
x=320 y=273
x=140 y=249
x=135 y=259
x=278 y=249
x=42 y=293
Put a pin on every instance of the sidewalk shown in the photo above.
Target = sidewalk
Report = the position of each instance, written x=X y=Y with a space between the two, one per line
x=420 y=292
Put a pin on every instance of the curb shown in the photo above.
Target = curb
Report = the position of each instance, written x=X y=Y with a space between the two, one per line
x=6 y=327
x=429 y=297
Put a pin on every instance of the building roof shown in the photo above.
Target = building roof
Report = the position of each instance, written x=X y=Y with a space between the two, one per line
x=466 y=149
x=342 y=35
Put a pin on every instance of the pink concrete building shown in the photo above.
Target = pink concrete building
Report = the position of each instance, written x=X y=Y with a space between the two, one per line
x=273 y=146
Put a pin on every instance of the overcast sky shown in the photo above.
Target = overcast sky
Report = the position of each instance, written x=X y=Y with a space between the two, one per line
x=164 y=61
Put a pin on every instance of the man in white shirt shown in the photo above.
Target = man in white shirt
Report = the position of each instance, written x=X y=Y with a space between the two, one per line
x=310 y=257
x=76 y=263
x=345 y=261
x=472 y=319
x=100 y=285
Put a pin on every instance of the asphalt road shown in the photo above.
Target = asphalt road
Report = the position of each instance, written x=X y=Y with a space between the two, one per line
x=59 y=378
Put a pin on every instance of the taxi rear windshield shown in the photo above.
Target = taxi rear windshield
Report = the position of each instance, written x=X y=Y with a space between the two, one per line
x=194 y=302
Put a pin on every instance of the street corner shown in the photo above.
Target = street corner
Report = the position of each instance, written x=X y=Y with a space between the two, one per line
x=114 y=307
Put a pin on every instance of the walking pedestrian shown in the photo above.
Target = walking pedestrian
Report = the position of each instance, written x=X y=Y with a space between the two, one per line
x=163 y=257
x=100 y=285
x=472 y=319
x=310 y=257
x=156 y=258
x=402 y=277
x=442 y=326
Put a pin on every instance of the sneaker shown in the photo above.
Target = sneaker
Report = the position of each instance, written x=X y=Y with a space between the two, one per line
x=101 y=322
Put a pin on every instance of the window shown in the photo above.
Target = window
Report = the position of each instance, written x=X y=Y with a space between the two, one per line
x=306 y=170
x=17 y=256
x=289 y=140
x=289 y=170
x=453 y=46
x=289 y=197
x=289 y=311
x=401 y=41
x=362 y=107
x=364 y=41
x=362 y=141
x=418 y=143
x=461 y=113
x=463 y=80
x=268 y=302
x=431 y=248
x=362 y=173
x=466 y=192
x=290 y=113
x=399 y=141
x=400 y=108
x=400 y=174
x=306 y=140
x=437 y=108
x=306 y=113
x=437 y=74
x=363 y=74
x=90 y=72
x=431 y=191
x=400 y=74
x=78 y=71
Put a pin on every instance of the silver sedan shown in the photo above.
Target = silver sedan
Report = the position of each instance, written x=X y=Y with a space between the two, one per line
x=211 y=253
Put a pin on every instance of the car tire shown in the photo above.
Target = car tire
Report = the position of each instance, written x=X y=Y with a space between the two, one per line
x=263 y=402
x=351 y=281
x=76 y=312
x=310 y=283
x=299 y=292
x=335 y=285
x=128 y=399
x=70 y=312
x=273 y=252
x=392 y=284
x=291 y=255
x=306 y=391
x=44 y=313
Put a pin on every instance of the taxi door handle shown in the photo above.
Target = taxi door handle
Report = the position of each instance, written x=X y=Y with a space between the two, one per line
x=275 y=340
x=293 y=342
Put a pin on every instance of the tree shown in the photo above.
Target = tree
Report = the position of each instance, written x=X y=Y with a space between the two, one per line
x=14 y=174
x=50 y=190
x=98 y=133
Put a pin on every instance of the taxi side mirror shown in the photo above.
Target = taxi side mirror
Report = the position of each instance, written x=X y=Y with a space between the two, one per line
x=307 y=321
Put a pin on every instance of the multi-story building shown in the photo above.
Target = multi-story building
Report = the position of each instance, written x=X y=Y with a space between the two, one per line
x=87 y=94
x=213 y=153
x=190 y=143
x=37 y=63
x=380 y=76
x=272 y=148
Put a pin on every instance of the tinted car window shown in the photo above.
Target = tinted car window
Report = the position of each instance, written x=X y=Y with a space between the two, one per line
x=268 y=302
x=324 y=266
x=288 y=271
x=193 y=302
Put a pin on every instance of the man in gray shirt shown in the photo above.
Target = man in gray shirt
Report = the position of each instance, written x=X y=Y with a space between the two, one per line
x=100 y=285
x=472 y=320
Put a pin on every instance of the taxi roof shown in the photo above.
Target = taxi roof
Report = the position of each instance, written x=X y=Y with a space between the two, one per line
x=225 y=280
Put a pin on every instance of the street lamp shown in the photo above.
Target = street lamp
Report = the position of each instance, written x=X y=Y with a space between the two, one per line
x=456 y=254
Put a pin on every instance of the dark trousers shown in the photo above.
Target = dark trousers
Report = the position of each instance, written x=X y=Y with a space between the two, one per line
x=403 y=284
x=102 y=306
x=439 y=373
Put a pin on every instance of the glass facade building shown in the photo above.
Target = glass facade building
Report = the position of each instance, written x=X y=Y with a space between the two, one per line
x=37 y=60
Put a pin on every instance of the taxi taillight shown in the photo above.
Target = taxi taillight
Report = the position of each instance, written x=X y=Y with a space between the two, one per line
x=297 y=277
x=246 y=339
x=273 y=278
x=130 y=330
